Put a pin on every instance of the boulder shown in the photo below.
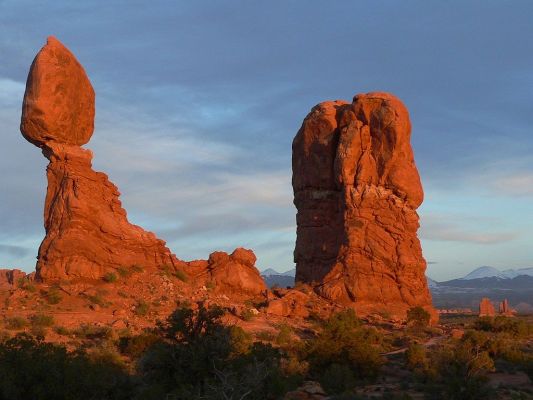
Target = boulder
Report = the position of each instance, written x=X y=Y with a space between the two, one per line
x=356 y=189
x=235 y=273
x=59 y=99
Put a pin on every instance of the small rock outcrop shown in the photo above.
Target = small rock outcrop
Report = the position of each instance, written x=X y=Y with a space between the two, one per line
x=235 y=273
x=87 y=230
x=486 y=308
x=357 y=189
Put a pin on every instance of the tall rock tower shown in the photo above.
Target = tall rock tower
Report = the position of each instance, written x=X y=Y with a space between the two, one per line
x=87 y=230
x=356 y=188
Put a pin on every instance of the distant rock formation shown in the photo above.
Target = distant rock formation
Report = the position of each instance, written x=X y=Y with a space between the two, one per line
x=504 y=309
x=356 y=188
x=486 y=308
x=87 y=230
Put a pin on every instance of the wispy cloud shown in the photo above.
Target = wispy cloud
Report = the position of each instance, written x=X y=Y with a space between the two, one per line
x=450 y=229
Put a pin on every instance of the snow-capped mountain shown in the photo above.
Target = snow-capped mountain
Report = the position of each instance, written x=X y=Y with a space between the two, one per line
x=491 y=272
x=271 y=272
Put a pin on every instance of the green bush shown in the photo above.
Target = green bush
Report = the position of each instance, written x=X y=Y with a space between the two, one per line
x=93 y=332
x=16 y=323
x=181 y=275
x=33 y=369
x=110 y=277
x=26 y=285
x=416 y=358
x=135 y=346
x=418 y=317
x=142 y=308
x=342 y=340
x=61 y=330
x=200 y=357
x=53 y=296
x=42 y=320
x=284 y=336
x=338 y=378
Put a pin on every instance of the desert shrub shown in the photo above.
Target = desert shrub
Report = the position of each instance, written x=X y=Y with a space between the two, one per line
x=137 y=268
x=181 y=275
x=418 y=317
x=110 y=277
x=16 y=323
x=98 y=299
x=93 y=332
x=124 y=272
x=199 y=356
x=135 y=346
x=26 y=285
x=342 y=340
x=210 y=285
x=284 y=336
x=142 y=308
x=514 y=326
x=416 y=358
x=53 y=296
x=61 y=330
x=33 y=369
x=338 y=378
x=247 y=314
x=460 y=368
x=265 y=336
x=42 y=320
x=38 y=331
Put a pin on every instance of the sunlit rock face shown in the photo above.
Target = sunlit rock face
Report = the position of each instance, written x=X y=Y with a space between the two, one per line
x=357 y=188
x=87 y=230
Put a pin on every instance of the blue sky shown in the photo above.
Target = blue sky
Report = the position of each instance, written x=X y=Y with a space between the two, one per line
x=198 y=103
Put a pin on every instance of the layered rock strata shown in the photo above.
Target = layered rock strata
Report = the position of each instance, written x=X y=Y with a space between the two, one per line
x=357 y=189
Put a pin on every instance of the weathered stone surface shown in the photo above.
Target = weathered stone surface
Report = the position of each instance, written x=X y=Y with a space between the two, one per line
x=87 y=230
x=486 y=308
x=356 y=188
x=59 y=99
x=235 y=273
x=11 y=276
x=292 y=304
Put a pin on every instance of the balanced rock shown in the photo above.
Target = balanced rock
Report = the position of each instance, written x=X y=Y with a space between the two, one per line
x=87 y=230
x=59 y=99
x=357 y=188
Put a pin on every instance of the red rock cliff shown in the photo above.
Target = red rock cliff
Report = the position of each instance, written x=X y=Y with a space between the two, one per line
x=87 y=230
x=356 y=188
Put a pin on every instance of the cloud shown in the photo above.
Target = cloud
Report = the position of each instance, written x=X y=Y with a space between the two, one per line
x=519 y=184
x=15 y=251
x=451 y=229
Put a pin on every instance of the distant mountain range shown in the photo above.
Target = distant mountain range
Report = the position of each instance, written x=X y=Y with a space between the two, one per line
x=489 y=272
x=466 y=292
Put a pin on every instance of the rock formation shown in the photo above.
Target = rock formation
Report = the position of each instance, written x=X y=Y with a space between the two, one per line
x=232 y=274
x=87 y=230
x=356 y=188
x=486 y=308
x=504 y=308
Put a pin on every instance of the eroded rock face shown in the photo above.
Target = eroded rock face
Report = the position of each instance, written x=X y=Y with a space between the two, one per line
x=356 y=188
x=87 y=230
